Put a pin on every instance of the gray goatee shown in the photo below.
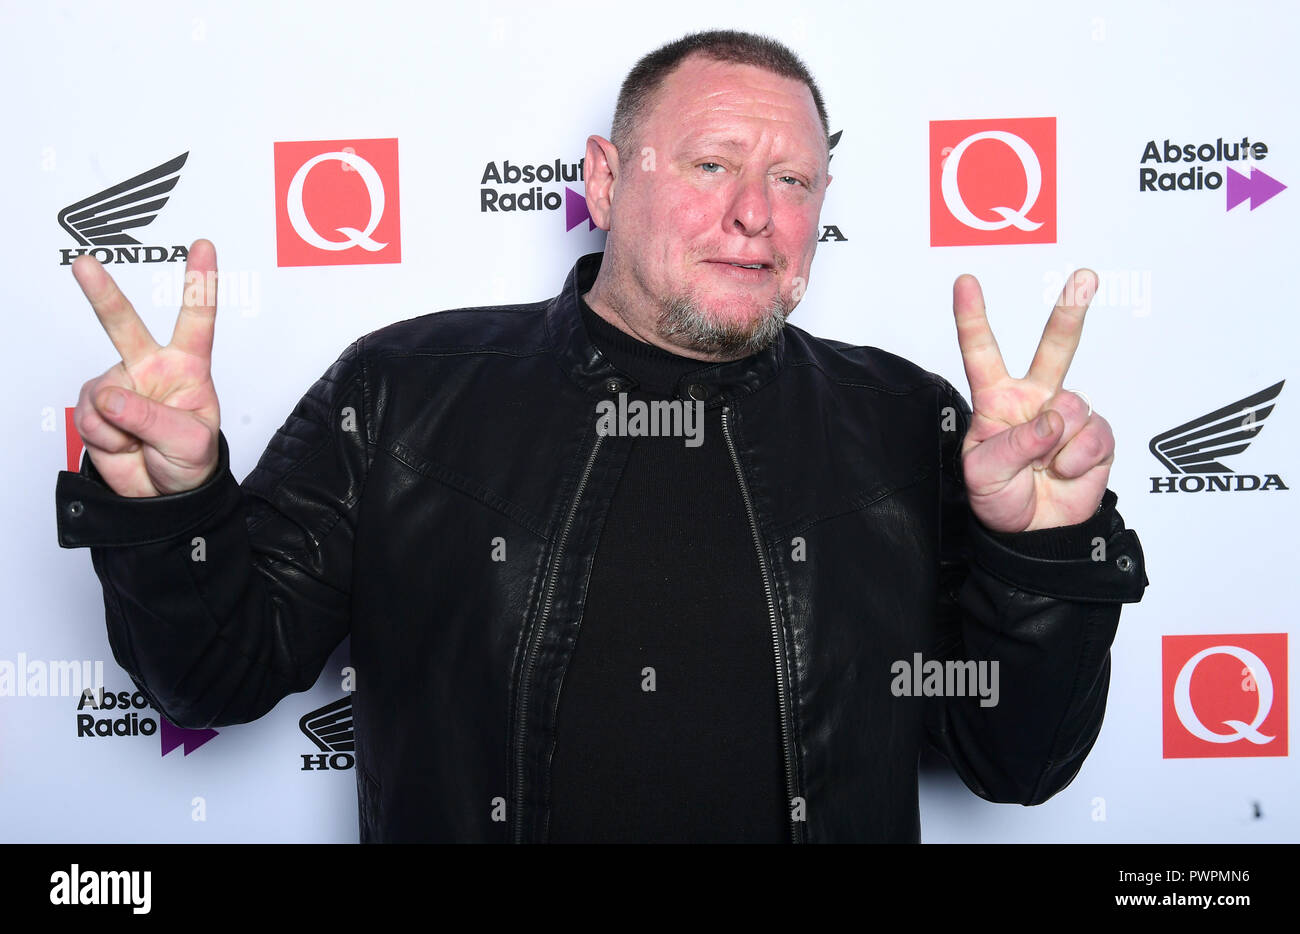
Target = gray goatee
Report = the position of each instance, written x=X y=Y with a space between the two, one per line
x=684 y=323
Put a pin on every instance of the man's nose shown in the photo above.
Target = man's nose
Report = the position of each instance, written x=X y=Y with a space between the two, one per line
x=750 y=211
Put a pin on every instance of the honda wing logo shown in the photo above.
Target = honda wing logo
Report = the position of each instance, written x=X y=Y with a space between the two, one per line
x=99 y=224
x=101 y=219
x=1200 y=446
x=330 y=728
x=1196 y=446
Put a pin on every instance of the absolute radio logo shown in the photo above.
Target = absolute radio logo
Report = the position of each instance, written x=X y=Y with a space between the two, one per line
x=129 y=713
x=100 y=223
x=336 y=203
x=507 y=187
x=992 y=181
x=1194 y=452
x=1173 y=166
x=1224 y=696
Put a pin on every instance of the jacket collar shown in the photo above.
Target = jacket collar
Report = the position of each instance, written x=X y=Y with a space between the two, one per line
x=714 y=384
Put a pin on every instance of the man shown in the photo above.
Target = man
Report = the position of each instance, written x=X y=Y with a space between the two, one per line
x=569 y=626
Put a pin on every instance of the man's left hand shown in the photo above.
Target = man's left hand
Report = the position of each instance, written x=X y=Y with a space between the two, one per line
x=1035 y=456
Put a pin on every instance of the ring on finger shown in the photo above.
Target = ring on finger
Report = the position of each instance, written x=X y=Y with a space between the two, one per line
x=1084 y=396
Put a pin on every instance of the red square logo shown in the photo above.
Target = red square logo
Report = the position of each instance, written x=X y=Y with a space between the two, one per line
x=992 y=181
x=76 y=447
x=336 y=203
x=1224 y=695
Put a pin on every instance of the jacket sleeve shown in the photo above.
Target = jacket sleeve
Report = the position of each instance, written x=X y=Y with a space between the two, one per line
x=222 y=600
x=1043 y=605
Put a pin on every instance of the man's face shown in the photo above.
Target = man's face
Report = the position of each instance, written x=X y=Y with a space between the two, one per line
x=727 y=171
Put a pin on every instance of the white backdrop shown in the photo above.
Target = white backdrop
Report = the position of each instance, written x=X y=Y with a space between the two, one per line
x=1195 y=313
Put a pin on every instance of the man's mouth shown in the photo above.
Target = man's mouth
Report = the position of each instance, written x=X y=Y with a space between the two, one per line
x=740 y=262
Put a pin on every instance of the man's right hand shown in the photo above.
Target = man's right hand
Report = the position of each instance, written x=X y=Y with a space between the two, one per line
x=163 y=438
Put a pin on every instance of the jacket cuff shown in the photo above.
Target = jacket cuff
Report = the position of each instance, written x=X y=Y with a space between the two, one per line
x=1063 y=542
x=1097 y=560
x=89 y=513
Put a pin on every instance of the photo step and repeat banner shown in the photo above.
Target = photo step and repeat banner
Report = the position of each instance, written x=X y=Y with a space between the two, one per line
x=360 y=165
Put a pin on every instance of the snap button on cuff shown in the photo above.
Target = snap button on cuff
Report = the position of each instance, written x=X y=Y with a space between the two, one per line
x=75 y=508
x=1124 y=563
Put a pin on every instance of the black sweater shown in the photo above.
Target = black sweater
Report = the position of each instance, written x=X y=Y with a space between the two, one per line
x=675 y=603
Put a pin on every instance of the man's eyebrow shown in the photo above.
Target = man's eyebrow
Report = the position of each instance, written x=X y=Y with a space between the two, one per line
x=694 y=143
x=703 y=142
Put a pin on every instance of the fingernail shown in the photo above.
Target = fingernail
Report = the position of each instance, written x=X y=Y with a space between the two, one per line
x=114 y=401
x=1043 y=426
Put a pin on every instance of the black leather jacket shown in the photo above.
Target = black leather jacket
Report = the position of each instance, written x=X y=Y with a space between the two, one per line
x=439 y=494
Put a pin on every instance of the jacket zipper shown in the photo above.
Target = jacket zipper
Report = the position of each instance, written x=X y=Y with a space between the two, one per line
x=530 y=659
x=791 y=787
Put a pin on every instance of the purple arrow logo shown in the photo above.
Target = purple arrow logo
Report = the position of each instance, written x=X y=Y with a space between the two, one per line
x=1258 y=188
x=173 y=736
x=575 y=210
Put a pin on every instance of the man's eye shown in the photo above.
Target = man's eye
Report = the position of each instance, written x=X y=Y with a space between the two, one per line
x=706 y=167
x=790 y=179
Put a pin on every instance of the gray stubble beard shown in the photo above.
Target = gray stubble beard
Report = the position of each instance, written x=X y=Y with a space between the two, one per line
x=683 y=323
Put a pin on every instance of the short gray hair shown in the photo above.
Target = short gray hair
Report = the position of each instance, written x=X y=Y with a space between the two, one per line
x=636 y=96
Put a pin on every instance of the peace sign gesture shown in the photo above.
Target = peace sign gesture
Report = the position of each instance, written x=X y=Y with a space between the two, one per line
x=1036 y=456
x=163 y=437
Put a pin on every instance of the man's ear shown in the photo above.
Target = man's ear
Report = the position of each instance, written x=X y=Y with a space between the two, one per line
x=600 y=170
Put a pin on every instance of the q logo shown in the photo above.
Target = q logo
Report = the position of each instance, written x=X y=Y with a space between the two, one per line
x=337 y=202
x=1225 y=696
x=992 y=181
